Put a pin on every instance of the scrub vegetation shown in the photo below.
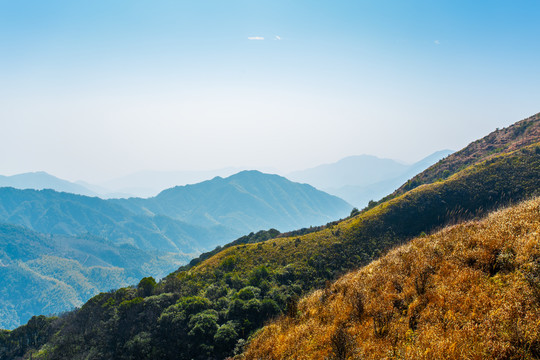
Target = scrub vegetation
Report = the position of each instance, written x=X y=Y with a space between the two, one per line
x=470 y=291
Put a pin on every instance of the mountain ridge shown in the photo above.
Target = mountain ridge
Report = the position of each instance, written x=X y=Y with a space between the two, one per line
x=522 y=133
x=265 y=194
x=359 y=179
x=41 y=180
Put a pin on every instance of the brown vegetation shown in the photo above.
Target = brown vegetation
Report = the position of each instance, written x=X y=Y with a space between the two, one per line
x=520 y=134
x=470 y=291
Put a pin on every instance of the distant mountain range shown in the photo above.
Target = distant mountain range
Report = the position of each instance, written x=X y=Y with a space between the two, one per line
x=150 y=183
x=356 y=179
x=41 y=180
x=139 y=184
x=82 y=245
x=359 y=179
x=249 y=200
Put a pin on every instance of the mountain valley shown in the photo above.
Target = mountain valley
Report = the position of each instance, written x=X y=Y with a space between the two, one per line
x=107 y=244
x=215 y=307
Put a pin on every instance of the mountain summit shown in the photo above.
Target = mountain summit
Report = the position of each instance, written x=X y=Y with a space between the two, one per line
x=41 y=180
x=247 y=201
x=359 y=179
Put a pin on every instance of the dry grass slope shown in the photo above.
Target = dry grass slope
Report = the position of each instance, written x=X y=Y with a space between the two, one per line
x=520 y=134
x=470 y=291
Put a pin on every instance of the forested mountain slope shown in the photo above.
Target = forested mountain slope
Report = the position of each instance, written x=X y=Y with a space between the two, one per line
x=46 y=274
x=470 y=291
x=52 y=212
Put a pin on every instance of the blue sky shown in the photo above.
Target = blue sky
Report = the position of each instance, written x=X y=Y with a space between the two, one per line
x=96 y=89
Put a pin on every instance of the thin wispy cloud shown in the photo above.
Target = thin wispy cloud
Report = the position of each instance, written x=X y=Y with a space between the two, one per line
x=437 y=42
x=255 y=38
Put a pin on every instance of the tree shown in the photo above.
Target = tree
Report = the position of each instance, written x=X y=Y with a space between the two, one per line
x=225 y=339
x=146 y=286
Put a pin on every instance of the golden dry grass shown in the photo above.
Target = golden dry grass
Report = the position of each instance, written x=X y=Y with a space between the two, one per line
x=470 y=291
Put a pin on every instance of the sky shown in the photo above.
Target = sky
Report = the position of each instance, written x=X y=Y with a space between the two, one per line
x=96 y=89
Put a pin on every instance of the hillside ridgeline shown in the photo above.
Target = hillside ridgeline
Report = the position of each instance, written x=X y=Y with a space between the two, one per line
x=359 y=179
x=470 y=291
x=521 y=134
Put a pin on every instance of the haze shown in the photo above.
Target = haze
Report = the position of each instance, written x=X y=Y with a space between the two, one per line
x=97 y=89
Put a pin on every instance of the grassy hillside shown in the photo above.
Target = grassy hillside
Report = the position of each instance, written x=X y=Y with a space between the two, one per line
x=470 y=291
x=522 y=133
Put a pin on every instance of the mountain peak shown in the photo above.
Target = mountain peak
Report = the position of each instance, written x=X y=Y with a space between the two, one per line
x=40 y=180
x=274 y=202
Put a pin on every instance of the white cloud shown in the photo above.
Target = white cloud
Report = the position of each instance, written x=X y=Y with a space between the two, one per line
x=278 y=37
x=437 y=42
x=255 y=38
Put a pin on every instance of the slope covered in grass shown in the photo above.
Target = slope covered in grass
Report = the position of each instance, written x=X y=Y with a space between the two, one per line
x=470 y=291
x=520 y=134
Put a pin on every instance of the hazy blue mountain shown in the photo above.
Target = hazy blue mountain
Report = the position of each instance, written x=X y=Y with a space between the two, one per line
x=48 y=211
x=359 y=179
x=150 y=183
x=41 y=180
x=358 y=170
x=185 y=219
x=248 y=201
x=104 y=192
